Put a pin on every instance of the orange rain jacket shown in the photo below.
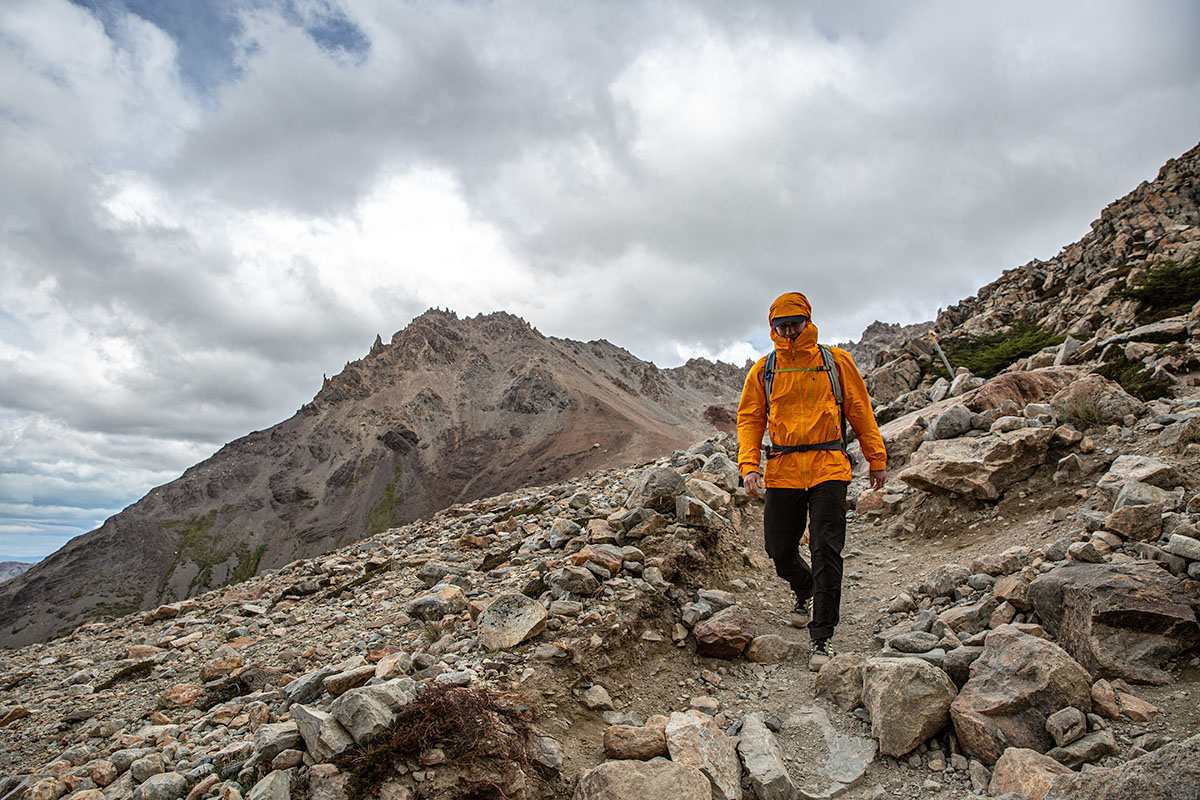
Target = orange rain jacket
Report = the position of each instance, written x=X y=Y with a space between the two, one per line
x=803 y=410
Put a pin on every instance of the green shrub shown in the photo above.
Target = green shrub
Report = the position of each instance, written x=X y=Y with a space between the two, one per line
x=1166 y=290
x=1133 y=377
x=986 y=356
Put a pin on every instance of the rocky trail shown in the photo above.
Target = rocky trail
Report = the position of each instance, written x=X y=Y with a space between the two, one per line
x=624 y=633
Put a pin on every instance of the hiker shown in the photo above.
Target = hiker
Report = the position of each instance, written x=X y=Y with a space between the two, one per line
x=808 y=467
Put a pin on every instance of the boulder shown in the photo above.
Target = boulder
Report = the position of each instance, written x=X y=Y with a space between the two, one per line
x=1025 y=771
x=324 y=737
x=693 y=738
x=639 y=780
x=902 y=437
x=1096 y=399
x=1118 y=620
x=908 y=700
x=656 y=489
x=1172 y=772
x=1142 y=523
x=971 y=618
x=841 y=681
x=771 y=649
x=763 y=760
x=510 y=619
x=1138 y=468
x=725 y=634
x=951 y=423
x=638 y=742
x=1016 y=684
x=1019 y=389
x=445 y=600
x=979 y=468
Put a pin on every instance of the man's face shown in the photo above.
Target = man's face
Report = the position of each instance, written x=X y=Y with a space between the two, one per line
x=790 y=329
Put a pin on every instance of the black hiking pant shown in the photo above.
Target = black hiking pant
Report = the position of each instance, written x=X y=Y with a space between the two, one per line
x=823 y=509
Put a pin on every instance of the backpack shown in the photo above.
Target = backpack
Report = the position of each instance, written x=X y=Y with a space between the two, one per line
x=843 y=441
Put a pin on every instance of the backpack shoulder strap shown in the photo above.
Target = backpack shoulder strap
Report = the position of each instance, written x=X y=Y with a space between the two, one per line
x=768 y=379
x=835 y=382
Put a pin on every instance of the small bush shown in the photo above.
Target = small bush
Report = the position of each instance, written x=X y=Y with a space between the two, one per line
x=1133 y=377
x=467 y=724
x=986 y=356
x=1083 y=414
x=1166 y=290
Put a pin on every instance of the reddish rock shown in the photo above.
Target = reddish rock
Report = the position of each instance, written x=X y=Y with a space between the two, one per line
x=1104 y=699
x=1142 y=523
x=1025 y=771
x=725 y=634
x=183 y=695
x=1014 y=588
x=1016 y=684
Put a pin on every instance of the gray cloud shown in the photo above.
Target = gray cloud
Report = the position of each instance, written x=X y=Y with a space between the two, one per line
x=205 y=214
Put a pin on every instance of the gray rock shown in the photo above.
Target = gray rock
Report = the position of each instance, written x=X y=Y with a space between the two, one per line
x=913 y=642
x=163 y=786
x=324 y=737
x=692 y=511
x=656 y=489
x=146 y=766
x=510 y=619
x=639 y=780
x=1171 y=772
x=272 y=739
x=958 y=661
x=693 y=738
x=1087 y=749
x=1184 y=547
x=366 y=711
x=1137 y=493
x=908 y=700
x=277 y=785
x=953 y=422
x=308 y=687
x=571 y=580
x=763 y=760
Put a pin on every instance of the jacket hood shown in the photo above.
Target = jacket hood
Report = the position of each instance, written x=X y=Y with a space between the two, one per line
x=793 y=304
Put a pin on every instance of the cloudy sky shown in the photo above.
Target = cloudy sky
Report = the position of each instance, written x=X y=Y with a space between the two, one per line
x=207 y=205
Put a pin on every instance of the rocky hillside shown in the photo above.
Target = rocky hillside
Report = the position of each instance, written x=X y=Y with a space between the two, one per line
x=450 y=410
x=1019 y=616
x=1080 y=293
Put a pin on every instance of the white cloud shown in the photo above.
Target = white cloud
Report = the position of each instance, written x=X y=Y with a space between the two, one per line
x=181 y=263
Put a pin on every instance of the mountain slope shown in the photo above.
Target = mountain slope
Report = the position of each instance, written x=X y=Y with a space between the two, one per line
x=449 y=411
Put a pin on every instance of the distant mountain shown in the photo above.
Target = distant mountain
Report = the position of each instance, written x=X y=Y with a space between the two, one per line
x=11 y=569
x=449 y=411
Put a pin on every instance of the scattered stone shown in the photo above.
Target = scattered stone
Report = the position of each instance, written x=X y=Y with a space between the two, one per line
x=510 y=619
x=1066 y=725
x=726 y=634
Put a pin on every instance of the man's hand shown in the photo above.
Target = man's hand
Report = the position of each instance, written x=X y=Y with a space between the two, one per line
x=878 y=478
x=753 y=484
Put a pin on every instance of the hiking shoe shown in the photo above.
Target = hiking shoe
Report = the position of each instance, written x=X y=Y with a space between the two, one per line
x=802 y=614
x=822 y=652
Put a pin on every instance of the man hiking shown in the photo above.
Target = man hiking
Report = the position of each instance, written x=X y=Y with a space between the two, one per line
x=793 y=395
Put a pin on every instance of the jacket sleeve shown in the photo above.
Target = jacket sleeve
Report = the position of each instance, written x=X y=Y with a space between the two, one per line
x=856 y=404
x=752 y=420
